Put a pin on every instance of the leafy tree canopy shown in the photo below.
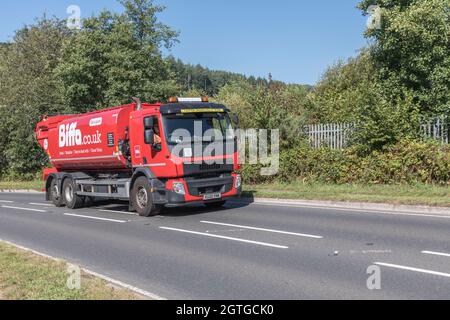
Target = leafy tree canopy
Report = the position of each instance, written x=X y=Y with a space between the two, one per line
x=28 y=90
x=411 y=50
x=116 y=56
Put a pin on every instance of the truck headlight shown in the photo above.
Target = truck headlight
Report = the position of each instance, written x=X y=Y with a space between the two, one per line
x=238 y=182
x=178 y=187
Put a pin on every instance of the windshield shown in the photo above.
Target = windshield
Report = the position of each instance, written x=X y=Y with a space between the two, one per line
x=198 y=127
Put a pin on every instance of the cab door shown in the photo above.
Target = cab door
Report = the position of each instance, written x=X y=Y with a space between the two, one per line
x=152 y=154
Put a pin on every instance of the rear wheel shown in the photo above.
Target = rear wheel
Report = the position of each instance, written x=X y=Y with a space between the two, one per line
x=72 y=200
x=142 y=198
x=215 y=205
x=55 y=194
x=89 y=201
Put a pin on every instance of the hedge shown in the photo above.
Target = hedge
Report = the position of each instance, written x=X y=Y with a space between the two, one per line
x=408 y=162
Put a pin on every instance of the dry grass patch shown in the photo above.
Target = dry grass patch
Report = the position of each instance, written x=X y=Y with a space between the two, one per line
x=27 y=276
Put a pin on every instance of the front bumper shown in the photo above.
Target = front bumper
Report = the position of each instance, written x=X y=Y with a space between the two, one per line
x=196 y=188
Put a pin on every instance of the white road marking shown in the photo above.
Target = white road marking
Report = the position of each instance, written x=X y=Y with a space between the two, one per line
x=437 y=253
x=94 y=218
x=435 y=273
x=41 y=204
x=124 y=285
x=262 y=229
x=6 y=201
x=122 y=212
x=362 y=211
x=226 y=238
x=26 y=209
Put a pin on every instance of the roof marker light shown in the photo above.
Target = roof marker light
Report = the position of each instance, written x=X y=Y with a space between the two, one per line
x=189 y=99
x=199 y=99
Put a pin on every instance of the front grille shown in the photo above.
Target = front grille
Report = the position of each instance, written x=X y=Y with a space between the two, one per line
x=209 y=167
x=205 y=169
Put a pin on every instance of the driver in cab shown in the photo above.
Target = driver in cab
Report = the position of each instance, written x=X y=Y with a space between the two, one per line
x=157 y=132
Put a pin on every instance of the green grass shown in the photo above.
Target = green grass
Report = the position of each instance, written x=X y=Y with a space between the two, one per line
x=22 y=185
x=393 y=194
x=26 y=276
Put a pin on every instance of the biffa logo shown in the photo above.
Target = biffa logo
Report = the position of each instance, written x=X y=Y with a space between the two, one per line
x=70 y=136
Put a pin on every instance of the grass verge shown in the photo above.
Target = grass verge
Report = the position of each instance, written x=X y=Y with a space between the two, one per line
x=22 y=185
x=394 y=194
x=27 y=276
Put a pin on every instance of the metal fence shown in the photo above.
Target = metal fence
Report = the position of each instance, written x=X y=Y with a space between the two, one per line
x=337 y=135
x=436 y=129
x=332 y=135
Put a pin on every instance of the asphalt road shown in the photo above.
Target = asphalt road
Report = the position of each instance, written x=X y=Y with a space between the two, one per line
x=243 y=251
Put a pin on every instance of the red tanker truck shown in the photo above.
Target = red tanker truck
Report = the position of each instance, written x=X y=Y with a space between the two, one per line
x=152 y=155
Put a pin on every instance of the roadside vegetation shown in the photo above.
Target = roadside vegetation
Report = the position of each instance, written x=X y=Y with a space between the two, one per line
x=400 y=78
x=427 y=195
x=36 y=185
x=27 y=276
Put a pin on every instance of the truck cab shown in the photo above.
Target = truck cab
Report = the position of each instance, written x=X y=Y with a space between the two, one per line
x=163 y=155
x=187 y=150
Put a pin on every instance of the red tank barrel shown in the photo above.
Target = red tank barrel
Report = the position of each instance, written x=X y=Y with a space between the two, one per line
x=87 y=142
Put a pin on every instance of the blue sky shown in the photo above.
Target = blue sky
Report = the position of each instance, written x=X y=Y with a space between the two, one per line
x=295 y=40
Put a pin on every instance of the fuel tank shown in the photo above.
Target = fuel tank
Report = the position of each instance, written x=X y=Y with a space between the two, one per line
x=86 y=142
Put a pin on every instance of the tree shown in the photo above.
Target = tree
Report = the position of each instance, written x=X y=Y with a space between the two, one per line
x=28 y=90
x=147 y=29
x=115 y=57
x=402 y=76
x=196 y=77
x=343 y=90
x=411 y=51
x=275 y=106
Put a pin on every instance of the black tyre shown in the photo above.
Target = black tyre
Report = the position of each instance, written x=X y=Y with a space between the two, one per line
x=215 y=205
x=71 y=199
x=55 y=194
x=89 y=201
x=142 y=199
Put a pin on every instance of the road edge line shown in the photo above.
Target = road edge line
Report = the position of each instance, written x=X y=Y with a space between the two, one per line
x=90 y=272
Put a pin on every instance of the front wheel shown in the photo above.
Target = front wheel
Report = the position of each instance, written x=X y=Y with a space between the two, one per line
x=142 y=198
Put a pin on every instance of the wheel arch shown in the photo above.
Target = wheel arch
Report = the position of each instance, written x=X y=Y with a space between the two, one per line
x=48 y=183
x=141 y=172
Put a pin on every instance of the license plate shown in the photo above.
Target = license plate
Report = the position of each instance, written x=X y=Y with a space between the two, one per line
x=212 y=196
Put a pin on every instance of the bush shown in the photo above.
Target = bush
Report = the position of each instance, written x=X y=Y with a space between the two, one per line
x=407 y=162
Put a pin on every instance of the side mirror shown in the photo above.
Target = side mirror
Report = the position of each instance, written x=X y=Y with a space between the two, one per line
x=148 y=123
x=149 y=137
